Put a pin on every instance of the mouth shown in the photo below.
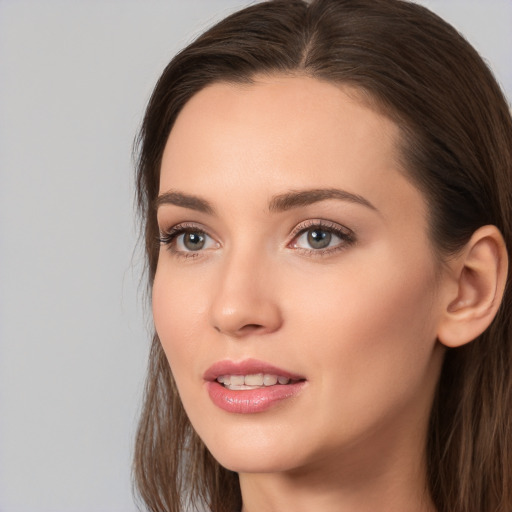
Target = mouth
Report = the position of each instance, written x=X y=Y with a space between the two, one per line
x=250 y=386
x=254 y=381
x=249 y=372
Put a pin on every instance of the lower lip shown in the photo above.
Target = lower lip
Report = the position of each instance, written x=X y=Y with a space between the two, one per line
x=250 y=401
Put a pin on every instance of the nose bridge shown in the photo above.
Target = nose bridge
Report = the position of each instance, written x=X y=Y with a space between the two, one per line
x=245 y=301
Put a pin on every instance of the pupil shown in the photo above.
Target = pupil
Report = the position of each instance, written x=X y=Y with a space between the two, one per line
x=193 y=241
x=319 y=239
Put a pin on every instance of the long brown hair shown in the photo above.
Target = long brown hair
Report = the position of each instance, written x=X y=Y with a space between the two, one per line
x=456 y=145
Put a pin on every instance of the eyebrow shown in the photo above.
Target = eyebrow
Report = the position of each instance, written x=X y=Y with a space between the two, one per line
x=279 y=203
x=185 y=201
x=297 y=199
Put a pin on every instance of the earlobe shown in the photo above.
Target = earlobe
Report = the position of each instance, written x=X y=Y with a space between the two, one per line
x=480 y=272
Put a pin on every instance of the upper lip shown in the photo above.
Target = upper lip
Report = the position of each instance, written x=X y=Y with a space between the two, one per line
x=246 y=367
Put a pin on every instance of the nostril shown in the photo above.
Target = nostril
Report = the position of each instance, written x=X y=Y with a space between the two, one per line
x=248 y=328
x=251 y=327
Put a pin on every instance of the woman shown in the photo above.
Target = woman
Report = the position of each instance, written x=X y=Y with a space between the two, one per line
x=326 y=197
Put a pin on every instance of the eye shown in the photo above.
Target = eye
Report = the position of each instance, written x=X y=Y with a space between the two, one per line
x=318 y=238
x=191 y=241
x=187 y=239
x=322 y=237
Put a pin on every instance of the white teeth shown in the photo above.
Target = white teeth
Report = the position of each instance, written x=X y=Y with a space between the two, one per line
x=269 y=380
x=252 y=381
x=237 y=380
x=238 y=388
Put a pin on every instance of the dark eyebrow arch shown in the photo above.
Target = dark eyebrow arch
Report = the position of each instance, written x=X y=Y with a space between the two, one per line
x=279 y=203
x=297 y=199
x=185 y=201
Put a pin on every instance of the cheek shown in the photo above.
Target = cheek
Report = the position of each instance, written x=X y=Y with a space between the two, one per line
x=179 y=307
x=370 y=331
x=377 y=294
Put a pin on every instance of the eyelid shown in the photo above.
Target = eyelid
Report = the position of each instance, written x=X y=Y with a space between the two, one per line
x=321 y=223
x=346 y=235
x=167 y=237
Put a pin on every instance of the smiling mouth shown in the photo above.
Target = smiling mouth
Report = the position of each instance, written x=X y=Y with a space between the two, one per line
x=250 y=386
x=253 y=381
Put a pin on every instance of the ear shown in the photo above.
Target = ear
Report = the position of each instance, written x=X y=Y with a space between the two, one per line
x=479 y=275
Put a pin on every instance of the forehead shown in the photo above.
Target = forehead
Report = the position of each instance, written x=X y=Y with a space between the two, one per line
x=290 y=107
x=281 y=133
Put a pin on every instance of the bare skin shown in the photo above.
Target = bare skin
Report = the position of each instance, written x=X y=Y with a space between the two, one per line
x=358 y=318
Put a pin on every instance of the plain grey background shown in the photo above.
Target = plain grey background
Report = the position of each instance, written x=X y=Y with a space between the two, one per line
x=74 y=80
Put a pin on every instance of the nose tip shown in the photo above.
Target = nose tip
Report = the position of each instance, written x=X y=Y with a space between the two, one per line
x=241 y=310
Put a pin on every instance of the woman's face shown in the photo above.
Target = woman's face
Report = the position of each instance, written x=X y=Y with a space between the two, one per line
x=296 y=268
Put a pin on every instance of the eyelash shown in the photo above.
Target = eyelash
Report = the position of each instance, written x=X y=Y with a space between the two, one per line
x=168 y=238
x=346 y=236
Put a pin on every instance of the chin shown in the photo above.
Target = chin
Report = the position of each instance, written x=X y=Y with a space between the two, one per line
x=255 y=463
x=250 y=455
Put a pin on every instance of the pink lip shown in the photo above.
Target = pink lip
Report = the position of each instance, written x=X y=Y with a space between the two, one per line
x=251 y=400
x=246 y=367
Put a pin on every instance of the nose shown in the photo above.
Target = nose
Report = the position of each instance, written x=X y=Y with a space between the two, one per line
x=245 y=302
